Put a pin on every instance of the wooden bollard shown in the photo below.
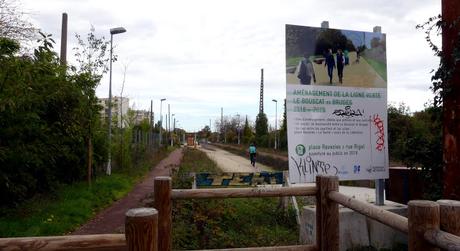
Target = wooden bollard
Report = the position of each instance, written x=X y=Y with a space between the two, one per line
x=327 y=214
x=141 y=229
x=423 y=216
x=449 y=211
x=162 y=202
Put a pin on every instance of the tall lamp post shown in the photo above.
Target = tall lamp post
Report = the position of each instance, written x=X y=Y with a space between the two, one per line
x=170 y=131
x=161 y=116
x=276 y=123
x=113 y=31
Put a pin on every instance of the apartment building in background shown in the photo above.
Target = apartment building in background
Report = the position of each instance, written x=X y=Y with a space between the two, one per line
x=120 y=107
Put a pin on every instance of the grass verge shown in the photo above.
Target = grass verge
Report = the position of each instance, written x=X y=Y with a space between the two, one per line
x=293 y=61
x=378 y=66
x=229 y=223
x=72 y=205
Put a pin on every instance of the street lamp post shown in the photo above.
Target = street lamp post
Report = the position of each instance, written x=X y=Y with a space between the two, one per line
x=238 y=128
x=276 y=123
x=168 y=122
x=170 y=133
x=161 y=116
x=113 y=31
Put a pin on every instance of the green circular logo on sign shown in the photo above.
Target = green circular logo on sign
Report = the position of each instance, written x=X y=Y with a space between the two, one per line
x=300 y=149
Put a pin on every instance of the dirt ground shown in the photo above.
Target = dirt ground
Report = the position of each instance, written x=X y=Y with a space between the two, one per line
x=112 y=219
x=231 y=163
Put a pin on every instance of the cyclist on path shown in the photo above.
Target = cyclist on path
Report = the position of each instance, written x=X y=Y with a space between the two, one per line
x=252 y=154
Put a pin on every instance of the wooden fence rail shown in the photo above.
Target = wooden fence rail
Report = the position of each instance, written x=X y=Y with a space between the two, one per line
x=442 y=239
x=277 y=248
x=388 y=218
x=215 y=193
x=430 y=225
x=70 y=242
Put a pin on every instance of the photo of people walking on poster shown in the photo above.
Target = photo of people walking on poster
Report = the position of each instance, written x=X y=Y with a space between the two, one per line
x=336 y=104
x=317 y=56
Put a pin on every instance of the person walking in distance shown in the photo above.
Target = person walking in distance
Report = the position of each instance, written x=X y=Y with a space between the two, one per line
x=340 y=64
x=330 y=64
x=252 y=154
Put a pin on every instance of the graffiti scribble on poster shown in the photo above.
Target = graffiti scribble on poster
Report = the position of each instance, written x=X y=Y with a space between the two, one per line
x=308 y=166
x=348 y=112
x=378 y=123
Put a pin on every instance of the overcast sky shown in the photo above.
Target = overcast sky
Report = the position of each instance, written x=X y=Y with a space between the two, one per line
x=204 y=55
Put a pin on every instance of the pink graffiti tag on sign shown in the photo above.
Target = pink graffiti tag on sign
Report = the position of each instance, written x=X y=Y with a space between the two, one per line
x=378 y=123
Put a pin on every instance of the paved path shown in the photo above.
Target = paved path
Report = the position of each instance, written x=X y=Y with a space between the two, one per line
x=231 y=163
x=112 y=219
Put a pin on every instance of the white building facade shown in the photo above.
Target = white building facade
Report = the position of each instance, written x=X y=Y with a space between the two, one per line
x=120 y=107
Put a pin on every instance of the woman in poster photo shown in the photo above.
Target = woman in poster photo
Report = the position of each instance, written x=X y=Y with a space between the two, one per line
x=330 y=64
x=305 y=71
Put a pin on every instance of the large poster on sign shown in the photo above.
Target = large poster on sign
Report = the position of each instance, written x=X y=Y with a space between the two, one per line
x=336 y=103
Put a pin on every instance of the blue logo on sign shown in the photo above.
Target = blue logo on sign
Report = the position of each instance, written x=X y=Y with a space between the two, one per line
x=356 y=168
x=343 y=170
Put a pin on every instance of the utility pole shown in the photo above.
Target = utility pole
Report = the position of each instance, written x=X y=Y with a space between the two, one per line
x=169 y=121
x=261 y=104
x=63 y=57
x=451 y=109
x=151 y=113
x=161 y=117
x=172 y=130
x=238 y=128
x=276 y=123
x=151 y=124
x=221 y=120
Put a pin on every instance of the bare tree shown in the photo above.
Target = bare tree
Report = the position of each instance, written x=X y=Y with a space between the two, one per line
x=13 y=23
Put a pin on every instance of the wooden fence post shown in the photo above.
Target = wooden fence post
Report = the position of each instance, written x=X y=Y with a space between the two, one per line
x=284 y=201
x=449 y=211
x=423 y=216
x=193 y=174
x=327 y=214
x=141 y=229
x=162 y=202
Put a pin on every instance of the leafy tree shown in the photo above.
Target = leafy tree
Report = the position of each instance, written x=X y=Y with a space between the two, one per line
x=446 y=92
x=416 y=141
x=50 y=117
x=92 y=58
x=332 y=39
x=300 y=40
x=92 y=54
x=13 y=24
x=283 y=129
x=41 y=131
x=399 y=130
x=262 y=129
x=228 y=128
x=205 y=133
x=247 y=132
